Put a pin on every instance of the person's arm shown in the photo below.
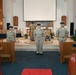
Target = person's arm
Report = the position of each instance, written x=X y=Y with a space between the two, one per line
x=34 y=35
x=66 y=34
x=42 y=33
x=14 y=33
x=6 y=33
x=57 y=34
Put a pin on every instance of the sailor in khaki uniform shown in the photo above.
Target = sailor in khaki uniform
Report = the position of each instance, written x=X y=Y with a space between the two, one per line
x=62 y=33
x=32 y=28
x=38 y=35
x=11 y=35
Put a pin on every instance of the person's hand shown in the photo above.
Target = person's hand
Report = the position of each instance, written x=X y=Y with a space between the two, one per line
x=65 y=38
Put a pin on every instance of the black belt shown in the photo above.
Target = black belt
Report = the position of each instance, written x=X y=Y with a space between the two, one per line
x=62 y=37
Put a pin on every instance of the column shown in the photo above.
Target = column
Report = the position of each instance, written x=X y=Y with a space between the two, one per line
x=70 y=13
x=8 y=12
x=75 y=15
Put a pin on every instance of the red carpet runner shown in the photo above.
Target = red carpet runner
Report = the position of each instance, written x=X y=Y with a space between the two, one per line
x=37 y=72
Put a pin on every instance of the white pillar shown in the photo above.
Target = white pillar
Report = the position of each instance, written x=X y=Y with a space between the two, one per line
x=70 y=13
x=75 y=15
x=8 y=12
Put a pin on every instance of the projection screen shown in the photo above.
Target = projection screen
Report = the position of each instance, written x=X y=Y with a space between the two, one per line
x=39 y=10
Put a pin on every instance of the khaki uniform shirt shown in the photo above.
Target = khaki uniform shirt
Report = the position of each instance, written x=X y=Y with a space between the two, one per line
x=38 y=34
x=62 y=34
x=11 y=36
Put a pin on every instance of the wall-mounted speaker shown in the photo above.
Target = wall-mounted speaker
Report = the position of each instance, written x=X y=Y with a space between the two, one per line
x=71 y=28
x=8 y=24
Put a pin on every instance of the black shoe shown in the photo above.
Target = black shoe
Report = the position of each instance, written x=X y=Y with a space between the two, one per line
x=59 y=53
x=41 y=53
x=37 y=53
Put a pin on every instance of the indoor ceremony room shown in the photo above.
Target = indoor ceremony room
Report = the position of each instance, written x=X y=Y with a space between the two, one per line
x=37 y=37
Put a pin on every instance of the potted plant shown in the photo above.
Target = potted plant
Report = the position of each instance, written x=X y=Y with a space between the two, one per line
x=26 y=36
x=74 y=44
x=73 y=38
x=52 y=35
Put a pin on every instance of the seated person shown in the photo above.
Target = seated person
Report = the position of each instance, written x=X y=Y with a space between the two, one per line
x=47 y=37
x=18 y=34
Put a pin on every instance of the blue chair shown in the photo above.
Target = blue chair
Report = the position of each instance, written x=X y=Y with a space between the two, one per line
x=74 y=45
x=47 y=38
x=2 y=36
x=18 y=35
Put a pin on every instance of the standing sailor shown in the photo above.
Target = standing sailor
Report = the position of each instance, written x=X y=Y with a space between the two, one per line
x=62 y=33
x=38 y=35
x=11 y=35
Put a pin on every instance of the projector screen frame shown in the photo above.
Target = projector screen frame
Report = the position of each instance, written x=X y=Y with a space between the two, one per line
x=41 y=20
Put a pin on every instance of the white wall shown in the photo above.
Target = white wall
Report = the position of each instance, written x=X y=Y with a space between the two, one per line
x=18 y=11
x=74 y=14
x=13 y=8
x=7 y=12
x=61 y=10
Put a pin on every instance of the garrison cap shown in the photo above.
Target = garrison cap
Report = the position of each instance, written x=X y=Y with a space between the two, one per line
x=62 y=22
x=38 y=24
x=10 y=26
